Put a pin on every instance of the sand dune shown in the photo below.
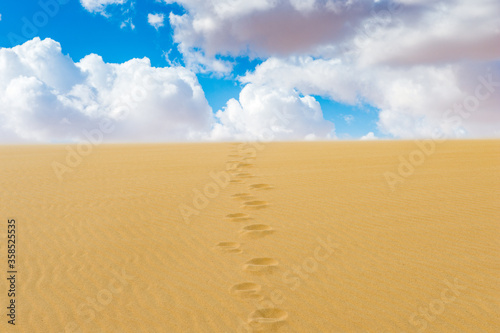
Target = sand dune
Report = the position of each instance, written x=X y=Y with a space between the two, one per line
x=271 y=237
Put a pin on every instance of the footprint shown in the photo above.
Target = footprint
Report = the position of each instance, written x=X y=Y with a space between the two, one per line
x=261 y=265
x=244 y=175
x=230 y=247
x=260 y=187
x=237 y=217
x=256 y=231
x=268 y=319
x=245 y=165
x=243 y=196
x=236 y=181
x=247 y=290
x=255 y=204
x=257 y=227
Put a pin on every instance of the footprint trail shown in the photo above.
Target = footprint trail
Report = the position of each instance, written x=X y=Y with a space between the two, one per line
x=262 y=319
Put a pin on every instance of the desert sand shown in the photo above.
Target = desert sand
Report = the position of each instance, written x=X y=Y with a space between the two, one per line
x=300 y=237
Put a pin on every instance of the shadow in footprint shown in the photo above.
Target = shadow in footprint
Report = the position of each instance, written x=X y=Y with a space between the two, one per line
x=260 y=187
x=244 y=175
x=255 y=204
x=238 y=217
x=245 y=165
x=229 y=247
x=261 y=265
x=247 y=290
x=256 y=231
x=243 y=196
x=267 y=319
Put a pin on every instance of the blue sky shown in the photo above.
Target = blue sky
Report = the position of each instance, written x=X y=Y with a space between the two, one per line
x=273 y=60
x=81 y=33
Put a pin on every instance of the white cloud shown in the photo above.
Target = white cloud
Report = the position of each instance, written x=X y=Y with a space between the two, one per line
x=264 y=112
x=195 y=59
x=411 y=59
x=128 y=22
x=0 y=17
x=330 y=78
x=414 y=63
x=263 y=27
x=432 y=33
x=414 y=101
x=369 y=136
x=349 y=119
x=266 y=27
x=398 y=31
x=156 y=20
x=305 y=5
x=45 y=96
x=99 y=6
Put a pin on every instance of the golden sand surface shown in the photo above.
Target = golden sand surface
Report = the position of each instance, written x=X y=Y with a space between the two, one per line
x=264 y=237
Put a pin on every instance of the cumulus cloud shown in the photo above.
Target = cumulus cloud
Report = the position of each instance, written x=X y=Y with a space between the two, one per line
x=99 y=6
x=414 y=60
x=45 y=96
x=413 y=102
x=396 y=62
x=398 y=31
x=156 y=20
x=427 y=66
x=424 y=32
x=264 y=27
x=369 y=136
x=266 y=113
